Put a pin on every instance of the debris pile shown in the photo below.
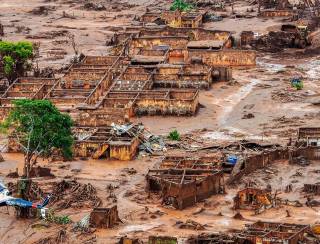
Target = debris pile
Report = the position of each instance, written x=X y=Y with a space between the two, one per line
x=190 y=225
x=94 y=6
x=68 y=194
x=42 y=10
x=58 y=238
x=40 y=172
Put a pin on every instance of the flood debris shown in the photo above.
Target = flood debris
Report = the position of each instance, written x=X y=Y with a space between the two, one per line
x=39 y=171
x=254 y=199
x=190 y=225
x=42 y=10
x=94 y=6
x=162 y=240
x=213 y=238
x=312 y=188
x=259 y=232
x=57 y=238
x=66 y=194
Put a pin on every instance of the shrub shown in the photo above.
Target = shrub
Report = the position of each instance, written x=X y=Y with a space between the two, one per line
x=15 y=57
x=174 y=135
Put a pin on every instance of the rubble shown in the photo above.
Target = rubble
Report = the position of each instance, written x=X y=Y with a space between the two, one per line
x=41 y=172
x=59 y=237
x=248 y=116
x=312 y=188
x=191 y=225
x=252 y=198
x=162 y=239
x=66 y=194
x=94 y=6
x=42 y=10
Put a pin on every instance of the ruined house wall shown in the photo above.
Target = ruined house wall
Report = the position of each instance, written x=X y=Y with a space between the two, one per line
x=170 y=31
x=191 y=22
x=104 y=217
x=183 y=77
x=31 y=87
x=124 y=151
x=208 y=187
x=259 y=161
x=311 y=153
x=203 y=34
x=173 y=190
x=149 y=42
x=85 y=149
x=193 y=192
x=223 y=57
x=102 y=116
x=187 y=195
x=276 y=13
x=94 y=60
x=153 y=106
x=255 y=162
x=88 y=79
x=192 y=33
x=72 y=101
x=171 y=17
x=149 y=17
x=119 y=151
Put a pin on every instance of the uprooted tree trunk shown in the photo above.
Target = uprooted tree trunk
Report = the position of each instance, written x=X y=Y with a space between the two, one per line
x=1 y=30
x=24 y=185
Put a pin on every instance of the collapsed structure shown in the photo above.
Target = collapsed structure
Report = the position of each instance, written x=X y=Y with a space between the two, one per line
x=153 y=71
x=108 y=141
x=184 y=182
x=259 y=232
x=104 y=217
x=252 y=198
x=309 y=136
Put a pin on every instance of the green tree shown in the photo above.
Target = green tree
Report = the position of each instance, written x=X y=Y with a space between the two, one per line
x=181 y=5
x=15 y=57
x=39 y=128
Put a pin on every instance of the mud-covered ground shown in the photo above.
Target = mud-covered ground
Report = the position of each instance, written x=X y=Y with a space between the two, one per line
x=263 y=91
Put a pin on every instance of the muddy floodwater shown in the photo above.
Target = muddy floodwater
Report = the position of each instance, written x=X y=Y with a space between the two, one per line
x=258 y=105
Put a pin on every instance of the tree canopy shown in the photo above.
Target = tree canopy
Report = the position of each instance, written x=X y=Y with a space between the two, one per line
x=15 y=56
x=40 y=128
x=181 y=5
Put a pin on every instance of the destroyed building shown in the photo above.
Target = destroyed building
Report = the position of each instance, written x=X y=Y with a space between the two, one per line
x=108 y=141
x=268 y=232
x=104 y=217
x=252 y=198
x=309 y=136
x=184 y=182
x=258 y=233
